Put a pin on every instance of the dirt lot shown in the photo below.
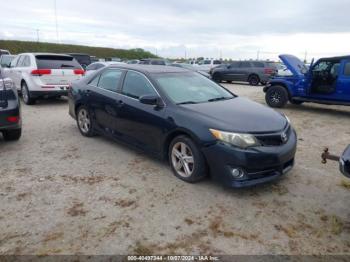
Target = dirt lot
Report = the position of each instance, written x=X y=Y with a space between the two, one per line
x=61 y=193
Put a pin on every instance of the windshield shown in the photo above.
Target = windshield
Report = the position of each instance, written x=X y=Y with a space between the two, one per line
x=190 y=88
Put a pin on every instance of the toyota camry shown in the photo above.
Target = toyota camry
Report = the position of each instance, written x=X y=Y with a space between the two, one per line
x=195 y=124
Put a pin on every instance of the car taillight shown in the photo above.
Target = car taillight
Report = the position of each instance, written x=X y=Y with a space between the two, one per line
x=40 y=72
x=79 y=71
x=269 y=71
x=12 y=119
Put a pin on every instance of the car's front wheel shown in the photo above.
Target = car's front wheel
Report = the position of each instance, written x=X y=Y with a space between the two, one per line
x=186 y=160
x=217 y=77
x=85 y=121
x=276 y=96
x=12 y=135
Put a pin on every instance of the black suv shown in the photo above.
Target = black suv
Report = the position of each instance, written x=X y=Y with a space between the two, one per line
x=253 y=72
x=154 y=61
x=10 y=113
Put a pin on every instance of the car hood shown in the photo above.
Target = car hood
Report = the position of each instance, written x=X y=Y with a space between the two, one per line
x=239 y=115
x=294 y=64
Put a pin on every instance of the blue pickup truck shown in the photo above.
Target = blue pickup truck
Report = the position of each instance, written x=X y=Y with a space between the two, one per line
x=327 y=81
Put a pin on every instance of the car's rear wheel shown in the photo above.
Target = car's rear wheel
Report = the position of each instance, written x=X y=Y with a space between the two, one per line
x=85 y=121
x=276 y=96
x=186 y=160
x=253 y=80
x=11 y=135
x=27 y=98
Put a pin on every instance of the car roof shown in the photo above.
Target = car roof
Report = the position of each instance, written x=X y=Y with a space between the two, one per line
x=37 y=53
x=335 y=58
x=150 y=68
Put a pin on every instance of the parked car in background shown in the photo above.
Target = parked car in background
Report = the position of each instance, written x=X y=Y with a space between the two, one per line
x=5 y=61
x=93 y=59
x=98 y=65
x=253 y=72
x=10 y=110
x=187 y=119
x=83 y=59
x=207 y=64
x=41 y=75
x=4 y=52
x=133 y=61
x=154 y=61
x=192 y=68
x=326 y=82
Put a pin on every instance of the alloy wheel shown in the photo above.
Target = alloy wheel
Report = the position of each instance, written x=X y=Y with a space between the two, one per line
x=275 y=97
x=84 y=120
x=182 y=159
x=25 y=95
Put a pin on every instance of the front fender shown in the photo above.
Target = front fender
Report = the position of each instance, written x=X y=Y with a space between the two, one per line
x=288 y=84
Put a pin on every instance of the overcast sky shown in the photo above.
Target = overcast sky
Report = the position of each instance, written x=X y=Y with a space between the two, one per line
x=173 y=28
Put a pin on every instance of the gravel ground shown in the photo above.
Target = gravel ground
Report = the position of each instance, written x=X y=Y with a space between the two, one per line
x=62 y=193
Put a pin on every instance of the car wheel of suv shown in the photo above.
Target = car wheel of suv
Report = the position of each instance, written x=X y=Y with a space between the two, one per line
x=276 y=96
x=27 y=99
x=186 y=160
x=217 y=77
x=253 y=80
x=11 y=135
x=85 y=121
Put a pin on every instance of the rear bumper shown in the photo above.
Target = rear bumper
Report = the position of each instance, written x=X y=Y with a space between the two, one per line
x=48 y=93
x=260 y=165
x=12 y=109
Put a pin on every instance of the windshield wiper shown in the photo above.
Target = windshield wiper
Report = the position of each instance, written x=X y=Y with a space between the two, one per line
x=219 y=98
x=187 y=103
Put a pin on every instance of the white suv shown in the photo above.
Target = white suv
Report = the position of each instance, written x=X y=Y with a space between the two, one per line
x=207 y=64
x=38 y=75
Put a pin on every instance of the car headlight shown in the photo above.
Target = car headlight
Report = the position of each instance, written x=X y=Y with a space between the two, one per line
x=237 y=139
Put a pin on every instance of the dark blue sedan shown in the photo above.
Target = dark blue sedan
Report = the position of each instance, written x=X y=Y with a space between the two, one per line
x=197 y=125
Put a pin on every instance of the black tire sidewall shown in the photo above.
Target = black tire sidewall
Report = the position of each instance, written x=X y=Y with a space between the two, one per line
x=200 y=167
x=253 y=77
x=30 y=100
x=217 y=77
x=283 y=94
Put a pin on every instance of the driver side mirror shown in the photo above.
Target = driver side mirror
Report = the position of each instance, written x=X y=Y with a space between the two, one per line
x=151 y=100
x=345 y=162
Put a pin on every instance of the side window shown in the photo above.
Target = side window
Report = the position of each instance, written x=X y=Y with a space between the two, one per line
x=245 y=64
x=136 y=85
x=258 y=64
x=20 y=61
x=347 y=69
x=98 y=66
x=26 y=61
x=109 y=80
x=94 y=81
x=14 y=62
x=234 y=65
x=217 y=62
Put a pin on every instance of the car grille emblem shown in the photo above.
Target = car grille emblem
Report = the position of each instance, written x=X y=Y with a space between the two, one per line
x=284 y=137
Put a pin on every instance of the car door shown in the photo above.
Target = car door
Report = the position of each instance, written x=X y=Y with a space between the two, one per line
x=244 y=71
x=231 y=73
x=13 y=72
x=343 y=81
x=139 y=124
x=102 y=96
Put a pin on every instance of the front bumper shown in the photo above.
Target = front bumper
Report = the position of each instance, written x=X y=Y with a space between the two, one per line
x=260 y=164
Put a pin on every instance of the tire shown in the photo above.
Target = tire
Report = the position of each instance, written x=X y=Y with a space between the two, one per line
x=85 y=121
x=295 y=102
x=276 y=96
x=253 y=80
x=27 y=99
x=217 y=78
x=194 y=168
x=12 y=135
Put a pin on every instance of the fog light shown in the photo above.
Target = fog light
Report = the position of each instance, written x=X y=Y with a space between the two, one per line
x=237 y=173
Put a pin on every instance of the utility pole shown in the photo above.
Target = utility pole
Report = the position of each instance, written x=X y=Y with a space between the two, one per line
x=258 y=55
x=37 y=35
x=56 y=22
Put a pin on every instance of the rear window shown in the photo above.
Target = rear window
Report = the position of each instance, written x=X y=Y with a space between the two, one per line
x=56 y=62
x=158 y=62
